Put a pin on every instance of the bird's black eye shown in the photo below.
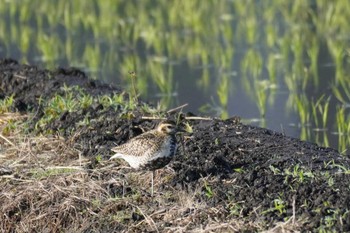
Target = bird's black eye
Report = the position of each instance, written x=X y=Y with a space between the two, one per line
x=170 y=127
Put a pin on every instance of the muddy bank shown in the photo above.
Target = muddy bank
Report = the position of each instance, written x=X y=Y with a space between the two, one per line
x=249 y=174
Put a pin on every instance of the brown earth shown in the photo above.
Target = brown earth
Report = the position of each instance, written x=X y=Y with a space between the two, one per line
x=227 y=176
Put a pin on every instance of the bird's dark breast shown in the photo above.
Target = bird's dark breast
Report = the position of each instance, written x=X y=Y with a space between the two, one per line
x=172 y=146
x=160 y=162
x=157 y=163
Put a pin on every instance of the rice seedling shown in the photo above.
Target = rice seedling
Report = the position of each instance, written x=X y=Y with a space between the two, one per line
x=320 y=109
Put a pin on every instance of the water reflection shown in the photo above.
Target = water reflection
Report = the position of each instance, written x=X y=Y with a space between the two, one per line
x=279 y=63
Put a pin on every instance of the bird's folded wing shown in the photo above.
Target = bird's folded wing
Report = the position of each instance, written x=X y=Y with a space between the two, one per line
x=138 y=146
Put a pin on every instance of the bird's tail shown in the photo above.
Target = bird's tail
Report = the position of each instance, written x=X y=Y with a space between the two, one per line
x=115 y=156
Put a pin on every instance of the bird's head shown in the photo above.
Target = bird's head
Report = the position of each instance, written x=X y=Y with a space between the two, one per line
x=169 y=127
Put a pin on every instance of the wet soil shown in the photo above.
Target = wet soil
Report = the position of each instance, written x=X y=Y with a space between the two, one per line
x=253 y=174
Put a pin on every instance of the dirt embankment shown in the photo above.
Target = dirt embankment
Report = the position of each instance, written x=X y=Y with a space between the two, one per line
x=226 y=177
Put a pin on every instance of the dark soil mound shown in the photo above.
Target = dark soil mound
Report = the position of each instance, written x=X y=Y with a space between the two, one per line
x=28 y=83
x=249 y=173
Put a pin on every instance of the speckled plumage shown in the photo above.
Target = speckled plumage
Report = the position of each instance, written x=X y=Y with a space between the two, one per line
x=151 y=150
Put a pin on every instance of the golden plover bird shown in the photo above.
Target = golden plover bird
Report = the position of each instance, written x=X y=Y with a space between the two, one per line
x=151 y=150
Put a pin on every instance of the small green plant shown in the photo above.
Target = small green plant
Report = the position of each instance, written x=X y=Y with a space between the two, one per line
x=9 y=127
x=298 y=174
x=329 y=221
x=119 y=101
x=330 y=179
x=86 y=101
x=57 y=105
x=133 y=83
x=188 y=127
x=6 y=104
x=333 y=216
x=148 y=109
x=105 y=100
x=235 y=209
x=341 y=167
x=98 y=158
x=275 y=170
x=216 y=141
x=208 y=190
x=238 y=170
x=278 y=205
x=85 y=121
